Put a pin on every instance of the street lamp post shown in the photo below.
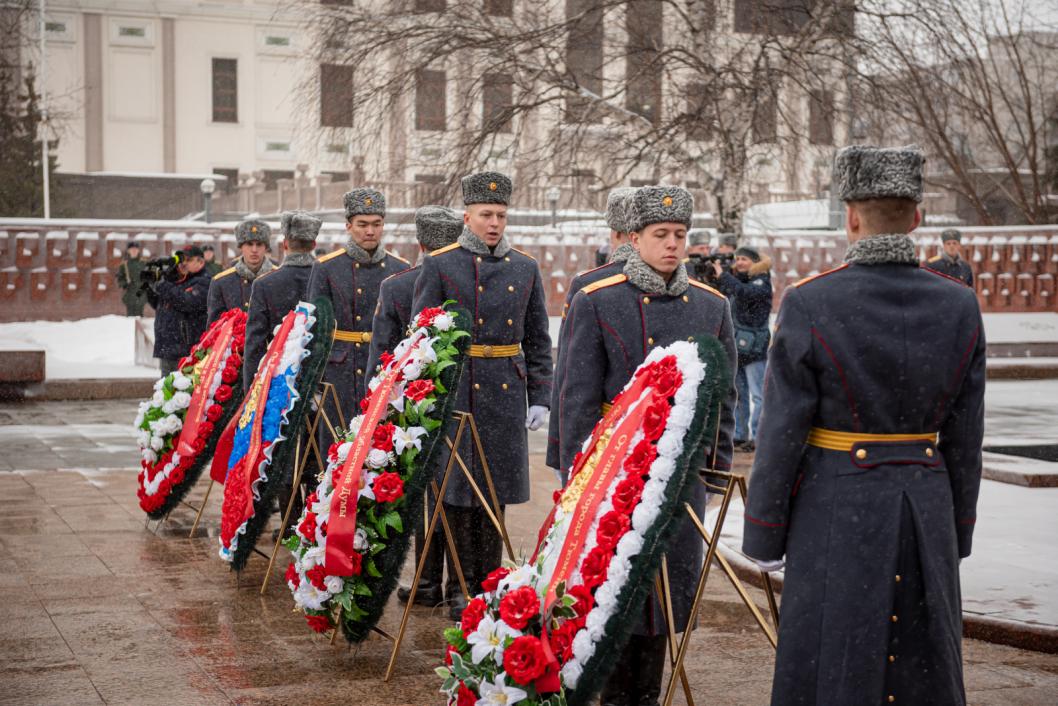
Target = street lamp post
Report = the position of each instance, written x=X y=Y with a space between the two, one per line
x=208 y=186
x=553 y=193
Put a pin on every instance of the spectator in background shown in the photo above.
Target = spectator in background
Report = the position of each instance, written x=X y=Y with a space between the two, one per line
x=212 y=266
x=698 y=242
x=128 y=277
x=181 y=317
x=950 y=261
x=748 y=286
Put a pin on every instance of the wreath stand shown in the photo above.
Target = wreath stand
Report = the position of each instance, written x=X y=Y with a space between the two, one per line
x=465 y=422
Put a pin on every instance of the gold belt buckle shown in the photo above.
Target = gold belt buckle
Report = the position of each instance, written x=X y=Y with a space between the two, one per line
x=486 y=351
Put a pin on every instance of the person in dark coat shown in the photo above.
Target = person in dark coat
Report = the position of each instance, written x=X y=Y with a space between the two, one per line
x=435 y=227
x=230 y=288
x=509 y=364
x=868 y=459
x=612 y=326
x=181 y=311
x=950 y=261
x=128 y=278
x=213 y=267
x=350 y=278
x=748 y=285
x=618 y=211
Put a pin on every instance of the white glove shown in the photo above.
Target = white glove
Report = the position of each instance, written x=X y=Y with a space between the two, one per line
x=769 y=566
x=536 y=417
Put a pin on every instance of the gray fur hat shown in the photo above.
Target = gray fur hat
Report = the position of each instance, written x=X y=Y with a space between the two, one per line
x=863 y=172
x=618 y=203
x=253 y=231
x=728 y=239
x=437 y=226
x=660 y=204
x=364 y=202
x=298 y=225
x=486 y=187
x=698 y=236
x=951 y=234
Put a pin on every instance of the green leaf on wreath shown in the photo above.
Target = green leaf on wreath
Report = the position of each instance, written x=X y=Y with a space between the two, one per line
x=392 y=519
x=372 y=570
x=431 y=424
x=361 y=589
x=292 y=543
x=442 y=672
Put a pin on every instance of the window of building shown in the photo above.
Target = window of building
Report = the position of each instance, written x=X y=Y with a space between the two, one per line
x=642 y=74
x=337 y=176
x=429 y=6
x=233 y=177
x=497 y=95
x=336 y=95
x=821 y=117
x=766 y=118
x=430 y=188
x=225 y=91
x=499 y=8
x=584 y=57
x=430 y=98
x=775 y=17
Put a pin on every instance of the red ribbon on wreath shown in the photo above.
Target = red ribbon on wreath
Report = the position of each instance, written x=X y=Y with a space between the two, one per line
x=196 y=410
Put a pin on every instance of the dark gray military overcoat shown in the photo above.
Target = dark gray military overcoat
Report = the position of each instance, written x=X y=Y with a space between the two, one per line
x=353 y=289
x=272 y=296
x=959 y=269
x=504 y=293
x=227 y=290
x=392 y=314
x=872 y=534
x=612 y=326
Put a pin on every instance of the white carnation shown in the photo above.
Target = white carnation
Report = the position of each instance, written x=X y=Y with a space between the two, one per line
x=181 y=381
x=377 y=458
x=443 y=322
x=334 y=584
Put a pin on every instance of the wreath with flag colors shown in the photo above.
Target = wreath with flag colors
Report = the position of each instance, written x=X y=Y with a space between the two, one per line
x=349 y=543
x=547 y=632
x=251 y=459
x=179 y=425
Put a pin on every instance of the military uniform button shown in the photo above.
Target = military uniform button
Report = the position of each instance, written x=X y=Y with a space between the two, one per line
x=891 y=698
x=690 y=338
x=359 y=290
x=477 y=386
x=892 y=658
x=898 y=578
x=646 y=300
x=504 y=386
x=246 y=303
x=510 y=322
x=686 y=298
x=507 y=259
x=357 y=318
x=383 y=265
x=650 y=341
x=359 y=371
x=893 y=618
x=481 y=321
x=357 y=265
x=357 y=345
x=479 y=258
x=929 y=453
x=510 y=287
x=861 y=454
x=481 y=288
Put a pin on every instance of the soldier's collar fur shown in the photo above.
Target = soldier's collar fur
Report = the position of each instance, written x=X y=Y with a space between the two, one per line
x=622 y=252
x=644 y=277
x=896 y=249
x=469 y=241
x=299 y=259
x=244 y=271
x=363 y=256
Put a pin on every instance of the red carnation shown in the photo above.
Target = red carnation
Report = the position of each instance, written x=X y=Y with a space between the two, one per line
x=524 y=659
x=292 y=575
x=315 y=575
x=418 y=390
x=466 y=696
x=199 y=445
x=612 y=527
x=593 y=570
x=585 y=602
x=383 y=437
x=229 y=374
x=176 y=476
x=223 y=393
x=164 y=487
x=205 y=429
x=561 y=640
x=356 y=559
x=307 y=528
x=213 y=412
x=667 y=378
x=638 y=462
x=627 y=493
x=319 y=623
x=472 y=615
x=385 y=359
x=449 y=651
x=332 y=453
x=556 y=496
x=519 y=606
x=365 y=403
x=654 y=420
x=426 y=316
x=312 y=499
x=493 y=579
x=388 y=487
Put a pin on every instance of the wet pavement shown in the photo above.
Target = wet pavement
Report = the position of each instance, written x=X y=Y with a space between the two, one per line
x=97 y=609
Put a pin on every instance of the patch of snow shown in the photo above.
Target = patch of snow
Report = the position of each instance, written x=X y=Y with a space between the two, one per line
x=101 y=347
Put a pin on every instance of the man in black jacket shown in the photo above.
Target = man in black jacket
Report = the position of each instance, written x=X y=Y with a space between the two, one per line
x=181 y=310
x=748 y=286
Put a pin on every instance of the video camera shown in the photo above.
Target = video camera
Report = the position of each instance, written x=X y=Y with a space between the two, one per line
x=701 y=266
x=156 y=270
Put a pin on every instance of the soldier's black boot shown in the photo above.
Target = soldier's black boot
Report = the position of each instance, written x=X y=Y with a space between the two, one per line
x=619 y=689
x=430 y=592
x=649 y=668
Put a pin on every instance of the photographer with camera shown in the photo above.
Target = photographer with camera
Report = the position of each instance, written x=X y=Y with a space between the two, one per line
x=179 y=285
x=747 y=284
x=701 y=260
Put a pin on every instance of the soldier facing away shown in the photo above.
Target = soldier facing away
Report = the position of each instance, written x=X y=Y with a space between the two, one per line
x=509 y=365
x=128 y=277
x=868 y=458
x=435 y=227
x=230 y=288
x=612 y=325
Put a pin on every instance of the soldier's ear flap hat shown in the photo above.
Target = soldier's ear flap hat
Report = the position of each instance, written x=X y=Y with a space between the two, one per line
x=437 y=226
x=486 y=187
x=951 y=234
x=660 y=204
x=618 y=207
x=253 y=231
x=863 y=172
x=364 y=202
x=300 y=226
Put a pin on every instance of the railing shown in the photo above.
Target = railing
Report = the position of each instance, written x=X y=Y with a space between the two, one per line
x=64 y=268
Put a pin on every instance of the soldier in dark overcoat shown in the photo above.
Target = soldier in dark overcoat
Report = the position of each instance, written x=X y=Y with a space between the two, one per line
x=618 y=203
x=868 y=458
x=230 y=288
x=350 y=278
x=509 y=365
x=950 y=261
x=435 y=227
x=612 y=326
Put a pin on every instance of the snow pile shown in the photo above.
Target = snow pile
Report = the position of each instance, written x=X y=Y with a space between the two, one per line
x=101 y=347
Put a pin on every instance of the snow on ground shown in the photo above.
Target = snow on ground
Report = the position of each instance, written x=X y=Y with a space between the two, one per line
x=101 y=347
x=1026 y=327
